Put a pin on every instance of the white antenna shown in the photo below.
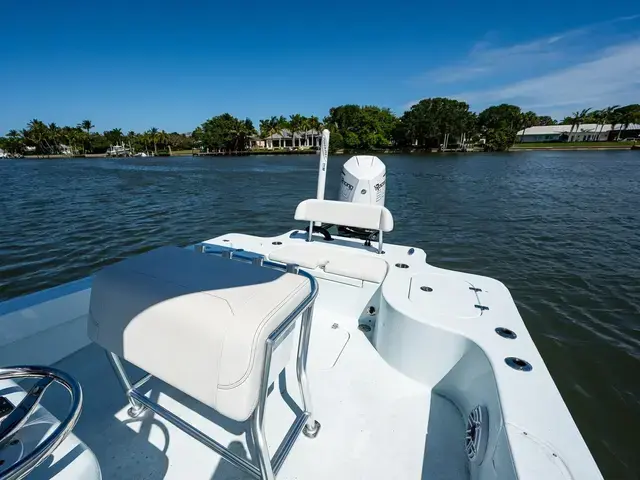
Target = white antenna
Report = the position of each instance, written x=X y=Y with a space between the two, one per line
x=322 y=168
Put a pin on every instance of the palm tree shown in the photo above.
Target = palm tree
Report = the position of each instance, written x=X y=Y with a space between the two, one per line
x=153 y=136
x=314 y=124
x=598 y=116
x=574 y=122
x=52 y=138
x=240 y=132
x=145 y=140
x=608 y=116
x=295 y=122
x=528 y=120
x=131 y=137
x=67 y=135
x=577 y=118
x=14 y=141
x=305 y=128
x=86 y=125
x=627 y=117
x=34 y=133
x=276 y=125
x=117 y=134
x=163 y=138
x=268 y=127
x=603 y=117
x=282 y=125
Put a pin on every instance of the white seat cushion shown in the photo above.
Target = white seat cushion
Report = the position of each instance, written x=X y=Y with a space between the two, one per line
x=307 y=255
x=333 y=260
x=196 y=321
x=361 y=267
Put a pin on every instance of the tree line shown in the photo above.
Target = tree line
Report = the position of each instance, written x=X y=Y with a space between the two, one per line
x=51 y=139
x=430 y=123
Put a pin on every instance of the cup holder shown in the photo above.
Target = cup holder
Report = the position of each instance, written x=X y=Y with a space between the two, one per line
x=506 y=333
x=402 y=265
x=518 y=364
x=276 y=243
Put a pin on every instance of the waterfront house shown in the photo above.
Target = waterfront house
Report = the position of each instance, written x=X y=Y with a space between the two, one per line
x=284 y=139
x=586 y=132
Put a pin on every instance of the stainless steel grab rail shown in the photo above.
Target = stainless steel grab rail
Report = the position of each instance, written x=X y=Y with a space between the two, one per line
x=24 y=466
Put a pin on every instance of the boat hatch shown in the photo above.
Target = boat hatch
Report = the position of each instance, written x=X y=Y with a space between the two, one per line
x=444 y=295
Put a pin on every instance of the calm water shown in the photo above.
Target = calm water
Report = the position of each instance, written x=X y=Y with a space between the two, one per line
x=559 y=229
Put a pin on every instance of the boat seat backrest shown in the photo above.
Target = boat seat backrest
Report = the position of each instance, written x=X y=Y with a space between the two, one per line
x=358 y=215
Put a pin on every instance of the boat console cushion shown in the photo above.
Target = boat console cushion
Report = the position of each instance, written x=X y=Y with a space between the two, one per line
x=333 y=260
x=358 y=215
x=360 y=267
x=196 y=321
x=307 y=255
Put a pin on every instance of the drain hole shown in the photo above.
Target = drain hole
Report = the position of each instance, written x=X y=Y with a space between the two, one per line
x=426 y=289
x=363 y=327
x=402 y=265
x=506 y=333
x=276 y=243
x=518 y=364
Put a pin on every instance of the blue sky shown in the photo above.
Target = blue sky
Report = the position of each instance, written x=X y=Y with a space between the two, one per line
x=172 y=65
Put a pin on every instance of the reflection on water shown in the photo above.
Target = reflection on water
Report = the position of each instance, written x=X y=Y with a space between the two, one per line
x=558 y=228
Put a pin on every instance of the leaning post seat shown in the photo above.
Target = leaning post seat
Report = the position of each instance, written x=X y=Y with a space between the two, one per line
x=358 y=215
x=211 y=327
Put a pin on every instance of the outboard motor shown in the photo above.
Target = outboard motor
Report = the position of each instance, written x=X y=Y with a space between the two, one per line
x=364 y=179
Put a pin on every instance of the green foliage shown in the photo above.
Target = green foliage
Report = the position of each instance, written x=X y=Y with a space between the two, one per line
x=336 y=142
x=498 y=139
x=499 y=125
x=353 y=127
x=428 y=121
x=364 y=128
x=544 y=120
x=505 y=116
x=51 y=139
x=226 y=133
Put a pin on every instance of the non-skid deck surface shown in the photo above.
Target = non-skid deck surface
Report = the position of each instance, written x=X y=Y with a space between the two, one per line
x=374 y=420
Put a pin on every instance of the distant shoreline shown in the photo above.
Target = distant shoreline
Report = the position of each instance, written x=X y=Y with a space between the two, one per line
x=514 y=148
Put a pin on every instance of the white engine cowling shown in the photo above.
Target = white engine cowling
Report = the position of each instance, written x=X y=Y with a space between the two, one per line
x=364 y=179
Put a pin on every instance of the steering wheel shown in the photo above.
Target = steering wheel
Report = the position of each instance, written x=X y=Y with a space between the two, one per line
x=11 y=424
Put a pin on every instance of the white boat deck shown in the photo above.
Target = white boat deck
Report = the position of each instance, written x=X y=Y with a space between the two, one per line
x=376 y=423
x=396 y=410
